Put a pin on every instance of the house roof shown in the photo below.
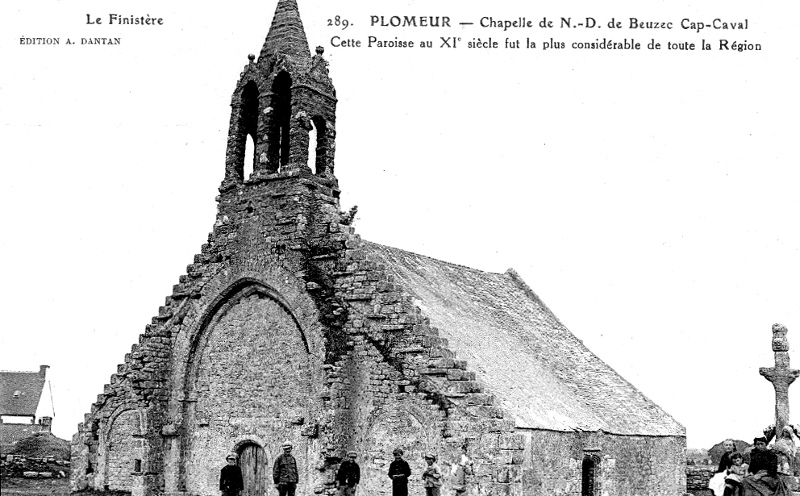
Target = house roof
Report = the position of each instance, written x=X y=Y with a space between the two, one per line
x=537 y=369
x=11 y=434
x=20 y=392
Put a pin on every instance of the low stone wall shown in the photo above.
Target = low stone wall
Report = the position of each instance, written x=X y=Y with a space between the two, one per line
x=697 y=477
x=34 y=468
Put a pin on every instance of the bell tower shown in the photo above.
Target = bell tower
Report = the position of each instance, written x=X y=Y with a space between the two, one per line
x=285 y=105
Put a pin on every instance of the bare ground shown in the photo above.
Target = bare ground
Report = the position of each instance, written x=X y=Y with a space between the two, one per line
x=18 y=486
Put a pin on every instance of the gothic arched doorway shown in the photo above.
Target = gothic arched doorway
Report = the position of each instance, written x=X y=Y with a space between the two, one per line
x=253 y=463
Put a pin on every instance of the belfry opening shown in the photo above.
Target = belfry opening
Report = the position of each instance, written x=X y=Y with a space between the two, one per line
x=279 y=117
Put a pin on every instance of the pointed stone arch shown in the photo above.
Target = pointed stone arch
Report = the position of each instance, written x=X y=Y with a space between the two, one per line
x=241 y=288
x=123 y=443
x=245 y=116
x=250 y=375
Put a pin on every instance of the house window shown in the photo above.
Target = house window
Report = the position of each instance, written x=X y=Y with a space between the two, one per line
x=137 y=466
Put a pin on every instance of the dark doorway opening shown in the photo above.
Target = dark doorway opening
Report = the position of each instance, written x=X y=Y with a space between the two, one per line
x=589 y=469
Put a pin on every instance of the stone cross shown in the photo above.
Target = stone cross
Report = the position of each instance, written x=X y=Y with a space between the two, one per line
x=781 y=376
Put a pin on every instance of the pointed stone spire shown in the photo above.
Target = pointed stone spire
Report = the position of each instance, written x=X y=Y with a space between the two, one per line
x=286 y=35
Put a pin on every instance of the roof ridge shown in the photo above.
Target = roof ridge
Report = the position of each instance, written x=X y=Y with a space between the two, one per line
x=19 y=372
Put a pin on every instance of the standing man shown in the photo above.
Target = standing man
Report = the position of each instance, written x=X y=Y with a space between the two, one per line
x=348 y=475
x=230 y=478
x=399 y=472
x=284 y=472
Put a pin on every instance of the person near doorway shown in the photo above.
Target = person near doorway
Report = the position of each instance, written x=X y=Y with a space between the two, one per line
x=461 y=469
x=399 y=472
x=348 y=475
x=284 y=472
x=432 y=476
x=230 y=477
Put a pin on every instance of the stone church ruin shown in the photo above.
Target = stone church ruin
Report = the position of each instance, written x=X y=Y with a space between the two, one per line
x=289 y=326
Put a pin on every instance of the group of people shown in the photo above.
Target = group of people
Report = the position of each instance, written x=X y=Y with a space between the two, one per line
x=348 y=476
x=770 y=469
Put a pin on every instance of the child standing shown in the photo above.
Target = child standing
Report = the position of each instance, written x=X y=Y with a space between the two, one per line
x=432 y=476
x=459 y=473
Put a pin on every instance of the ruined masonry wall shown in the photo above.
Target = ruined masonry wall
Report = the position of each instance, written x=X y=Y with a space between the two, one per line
x=124 y=445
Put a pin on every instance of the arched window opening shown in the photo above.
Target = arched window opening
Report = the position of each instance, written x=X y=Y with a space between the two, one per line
x=589 y=469
x=319 y=142
x=279 y=126
x=249 y=128
x=312 y=146
x=249 y=156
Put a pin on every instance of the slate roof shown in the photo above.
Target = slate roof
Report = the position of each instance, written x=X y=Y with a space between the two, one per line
x=538 y=370
x=29 y=385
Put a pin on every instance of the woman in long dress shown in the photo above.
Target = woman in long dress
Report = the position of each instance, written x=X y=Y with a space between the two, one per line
x=771 y=469
x=717 y=482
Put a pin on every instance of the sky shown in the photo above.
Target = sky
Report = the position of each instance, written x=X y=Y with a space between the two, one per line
x=649 y=197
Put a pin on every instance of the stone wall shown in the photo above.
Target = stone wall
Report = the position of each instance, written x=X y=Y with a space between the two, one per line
x=624 y=465
x=124 y=445
x=253 y=384
x=697 y=480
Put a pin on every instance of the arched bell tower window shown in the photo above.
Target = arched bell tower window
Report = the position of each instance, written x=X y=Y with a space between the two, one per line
x=249 y=126
x=279 y=126
x=319 y=143
x=249 y=156
x=312 y=146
